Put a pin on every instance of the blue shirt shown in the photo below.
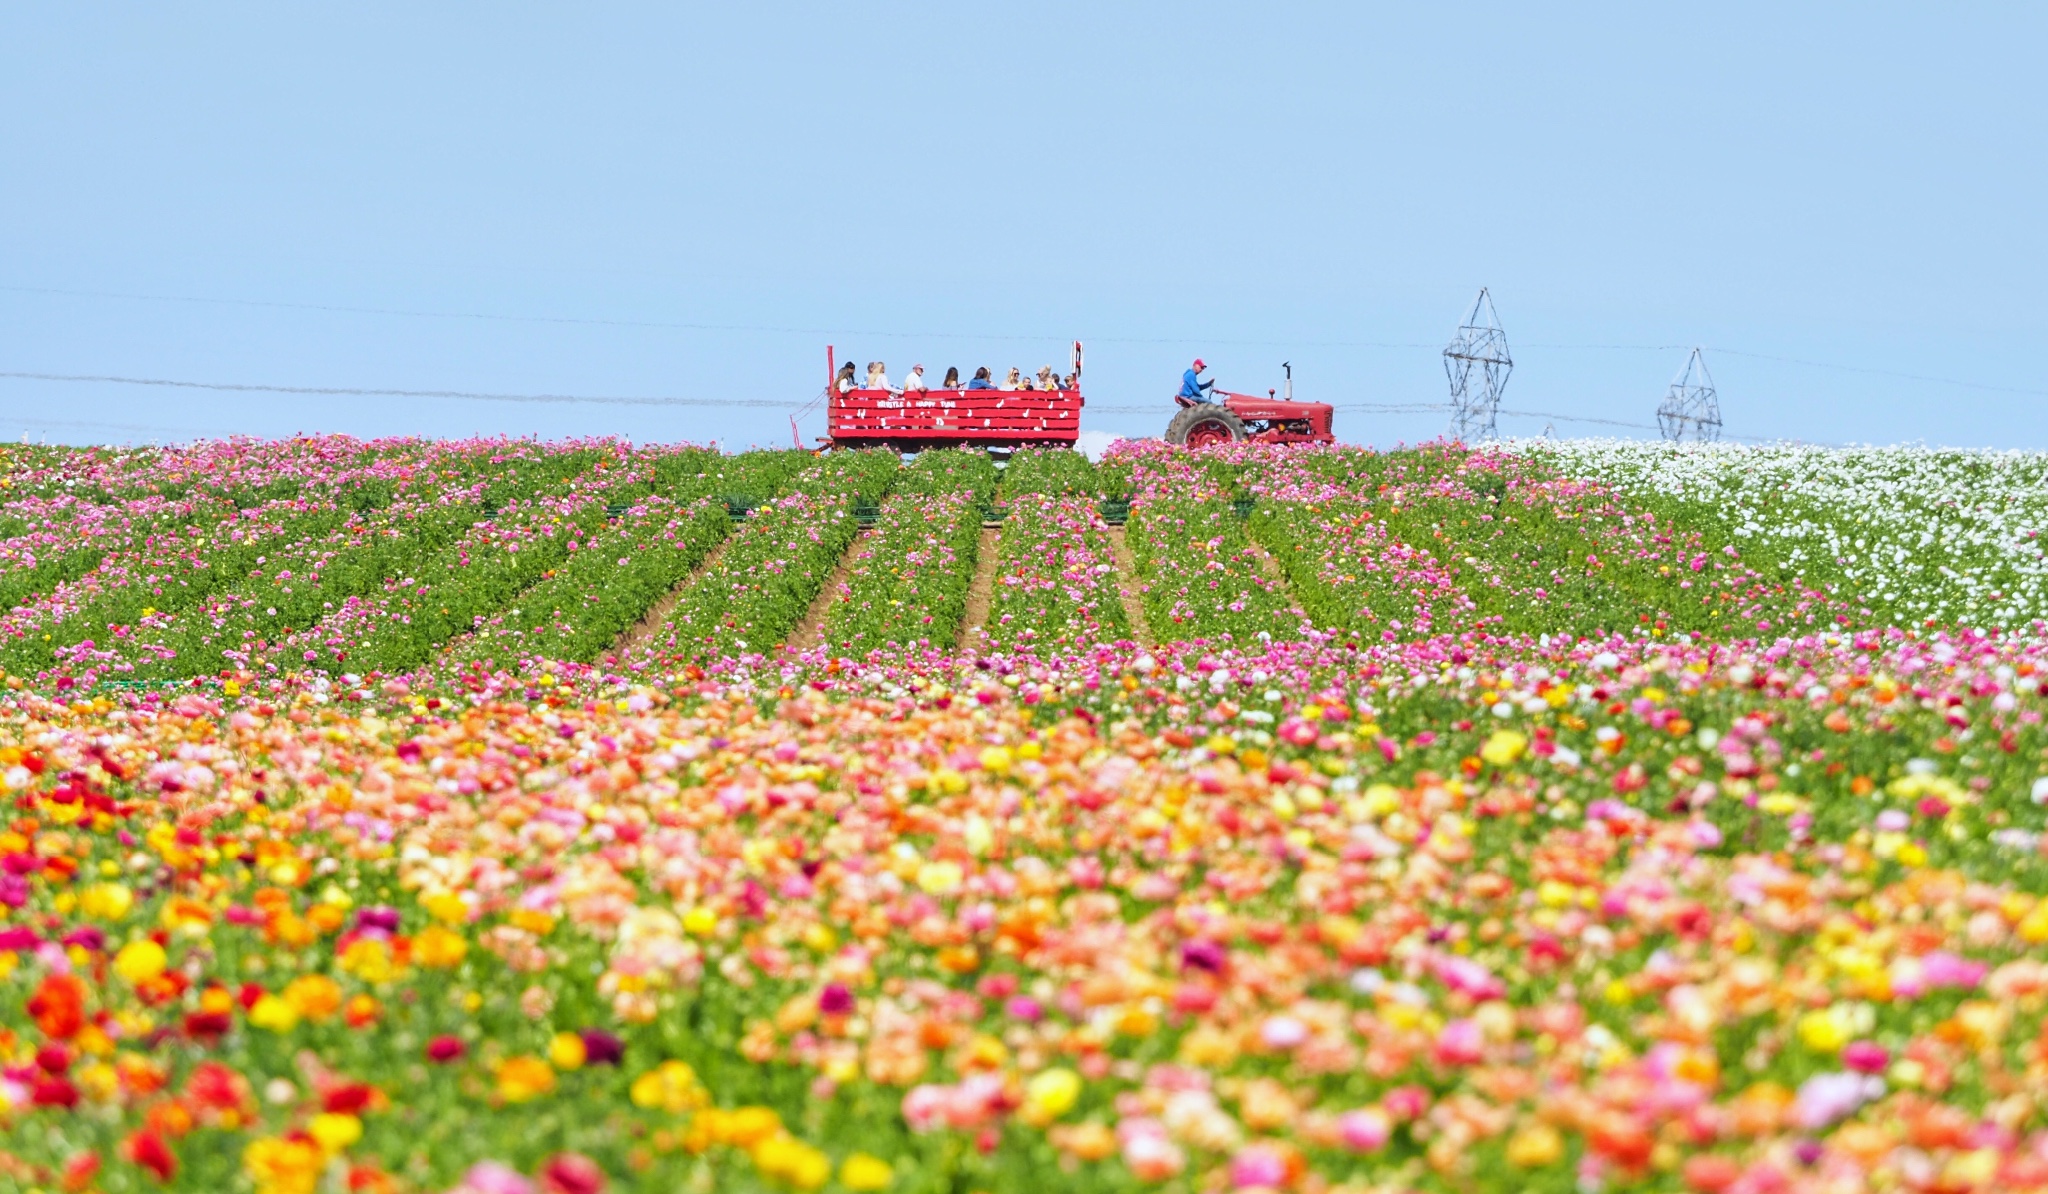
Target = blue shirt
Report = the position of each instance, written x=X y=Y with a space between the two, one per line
x=981 y=383
x=1191 y=386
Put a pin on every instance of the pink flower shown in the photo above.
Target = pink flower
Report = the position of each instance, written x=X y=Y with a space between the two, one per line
x=1258 y=1166
x=1364 y=1131
x=492 y=1177
x=1866 y=1057
x=1460 y=1043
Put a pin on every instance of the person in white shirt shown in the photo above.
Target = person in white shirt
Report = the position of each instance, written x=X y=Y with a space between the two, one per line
x=916 y=380
x=878 y=377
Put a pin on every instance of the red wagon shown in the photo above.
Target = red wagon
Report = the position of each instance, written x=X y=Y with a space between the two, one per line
x=911 y=421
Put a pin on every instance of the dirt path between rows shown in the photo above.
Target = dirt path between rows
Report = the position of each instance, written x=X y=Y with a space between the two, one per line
x=811 y=631
x=640 y=633
x=1127 y=587
x=981 y=591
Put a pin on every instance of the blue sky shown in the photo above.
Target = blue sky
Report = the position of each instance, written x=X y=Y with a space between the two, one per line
x=692 y=201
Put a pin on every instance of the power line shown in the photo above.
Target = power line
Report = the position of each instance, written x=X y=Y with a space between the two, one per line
x=344 y=391
x=1420 y=408
x=666 y=325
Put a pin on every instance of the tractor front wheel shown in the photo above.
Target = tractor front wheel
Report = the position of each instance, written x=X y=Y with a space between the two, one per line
x=1205 y=424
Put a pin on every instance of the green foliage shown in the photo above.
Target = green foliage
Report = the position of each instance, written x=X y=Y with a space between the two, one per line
x=1056 y=472
x=601 y=589
x=948 y=471
x=22 y=579
x=775 y=563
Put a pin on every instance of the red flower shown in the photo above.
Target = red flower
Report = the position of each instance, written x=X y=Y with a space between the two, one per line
x=350 y=1099
x=571 y=1173
x=215 y=1087
x=148 y=1151
x=53 y=1092
x=444 y=1049
x=80 y=1170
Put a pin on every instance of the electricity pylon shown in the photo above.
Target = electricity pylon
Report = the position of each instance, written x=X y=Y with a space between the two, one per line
x=1691 y=410
x=1476 y=401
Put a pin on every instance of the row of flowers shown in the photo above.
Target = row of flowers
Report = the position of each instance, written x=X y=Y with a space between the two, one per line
x=607 y=581
x=758 y=589
x=1055 y=586
x=907 y=579
x=610 y=579
x=1200 y=573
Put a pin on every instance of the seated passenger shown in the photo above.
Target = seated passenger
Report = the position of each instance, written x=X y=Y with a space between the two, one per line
x=952 y=381
x=916 y=380
x=981 y=381
x=844 y=382
x=1015 y=381
x=1072 y=381
x=878 y=377
x=1046 y=380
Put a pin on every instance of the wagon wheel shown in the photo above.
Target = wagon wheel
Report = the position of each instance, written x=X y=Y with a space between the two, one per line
x=1200 y=426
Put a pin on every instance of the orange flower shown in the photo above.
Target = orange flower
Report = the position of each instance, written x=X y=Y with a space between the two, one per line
x=523 y=1079
x=58 y=1006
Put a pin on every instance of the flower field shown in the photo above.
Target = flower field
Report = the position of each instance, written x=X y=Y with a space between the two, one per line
x=467 y=816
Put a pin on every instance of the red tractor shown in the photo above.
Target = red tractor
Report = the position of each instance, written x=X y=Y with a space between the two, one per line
x=1268 y=420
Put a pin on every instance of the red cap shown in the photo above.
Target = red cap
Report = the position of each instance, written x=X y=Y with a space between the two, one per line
x=1199 y=364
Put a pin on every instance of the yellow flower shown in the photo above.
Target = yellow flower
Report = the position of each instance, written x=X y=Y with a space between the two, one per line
x=1824 y=1031
x=140 y=961
x=700 y=921
x=1052 y=1093
x=939 y=878
x=791 y=1160
x=997 y=759
x=99 y=1081
x=446 y=907
x=106 y=901
x=1535 y=1146
x=273 y=1013
x=671 y=1086
x=334 y=1132
x=864 y=1172
x=2033 y=927
x=282 y=1166
x=745 y=1127
x=1503 y=747
x=522 y=1079
x=533 y=921
x=567 y=1051
x=439 y=949
x=369 y=959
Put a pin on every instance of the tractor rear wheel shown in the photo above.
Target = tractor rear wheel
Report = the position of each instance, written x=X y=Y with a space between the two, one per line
x=1208 y=423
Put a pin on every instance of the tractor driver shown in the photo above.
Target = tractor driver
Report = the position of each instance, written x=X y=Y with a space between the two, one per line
x=1192 y=387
